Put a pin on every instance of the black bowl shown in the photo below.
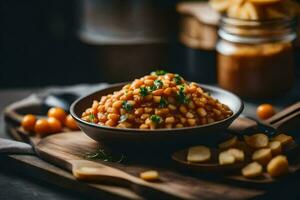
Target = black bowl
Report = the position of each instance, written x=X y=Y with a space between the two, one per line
x=138 y=139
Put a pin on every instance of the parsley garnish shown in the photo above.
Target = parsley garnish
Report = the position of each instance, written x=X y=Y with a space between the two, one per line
x=151 y=88
x=127 y=106
x=181 y=97
x=156 y=119
x=177 y=79
x=91 y=117
x=123 y=118
x=159 y=72
x=158 y=84
x=163 y=103
x=102 y=155
x=143 y=91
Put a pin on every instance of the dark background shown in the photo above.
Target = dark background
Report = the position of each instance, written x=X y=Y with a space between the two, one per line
x=40 y=44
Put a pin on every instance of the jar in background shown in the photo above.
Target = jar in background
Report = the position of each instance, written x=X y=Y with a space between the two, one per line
x=255 y=58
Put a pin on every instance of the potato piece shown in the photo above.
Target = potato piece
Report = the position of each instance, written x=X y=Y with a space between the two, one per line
x=151 y=175
x=226 y=158
x=252 y=170
x=278 y=166
x=262 y=156
x=232 y=142
x=283 y=139
x=237 y=154
x=257 y=141
x=198 y=154
x=275 y=147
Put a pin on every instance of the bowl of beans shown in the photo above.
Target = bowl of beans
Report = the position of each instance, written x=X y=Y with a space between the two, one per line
x=160 y=109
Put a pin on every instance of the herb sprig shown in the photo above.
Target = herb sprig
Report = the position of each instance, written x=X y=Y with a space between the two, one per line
x=159 y=72
x=100 y=154
x=163 y=103
x=127 y=106
x=143 y=91
x=156 y=119
x=181 y=97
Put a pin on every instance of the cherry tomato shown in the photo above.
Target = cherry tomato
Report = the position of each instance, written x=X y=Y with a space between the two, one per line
x=42 y=127
x=28 y=122
x=71 y=123
x=55 y=125
x=265 y=111
x=57 y=113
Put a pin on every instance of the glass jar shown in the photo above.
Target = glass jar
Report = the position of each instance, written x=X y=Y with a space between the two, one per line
x=255 y=58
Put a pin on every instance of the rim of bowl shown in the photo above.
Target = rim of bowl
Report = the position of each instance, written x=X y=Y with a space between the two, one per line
x=126 y=130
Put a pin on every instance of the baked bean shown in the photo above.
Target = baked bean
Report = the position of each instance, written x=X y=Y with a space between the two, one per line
x=156 y=99
x=183 y=109
x=117 y=104
x=144 y=126
x=168 y=91
x=149 y=82
x=176 y=102
x=202 y=112
x=158 y=92
x=170 y=120
x=191 y=122
x=113 y=117
x=189 y=115
x=139 y=111
x=172 y=107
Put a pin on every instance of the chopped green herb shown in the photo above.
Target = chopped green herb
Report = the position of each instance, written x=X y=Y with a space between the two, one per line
x=158 y=84
x=123 y=118
x=159 y=72
x=177 y=79
x=163 y=103
x=156 y=119
x=151 y=88
x=100 y=154
x=127 y=106
x=143 y=91
x=181 y=97
x=91 y=117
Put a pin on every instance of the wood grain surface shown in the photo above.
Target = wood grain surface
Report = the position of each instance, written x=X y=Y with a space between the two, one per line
x=68 y=152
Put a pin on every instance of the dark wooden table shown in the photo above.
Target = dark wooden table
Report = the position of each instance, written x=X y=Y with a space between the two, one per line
x=17 y=183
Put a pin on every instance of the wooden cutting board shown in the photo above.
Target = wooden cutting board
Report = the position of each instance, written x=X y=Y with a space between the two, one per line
x=68 y=151
x=65 y=149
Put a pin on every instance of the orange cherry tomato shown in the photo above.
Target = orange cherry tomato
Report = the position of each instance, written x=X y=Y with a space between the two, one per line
x=55 y=125
x=28 y=122
x=42 y=127
x=71 y=123
x=57 y=113
x=265 y=111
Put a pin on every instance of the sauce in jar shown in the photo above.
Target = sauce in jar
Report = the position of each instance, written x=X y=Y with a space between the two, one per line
x=256 y=62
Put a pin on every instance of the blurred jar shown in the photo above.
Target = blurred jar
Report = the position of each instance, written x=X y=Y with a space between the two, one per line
x=255 y=58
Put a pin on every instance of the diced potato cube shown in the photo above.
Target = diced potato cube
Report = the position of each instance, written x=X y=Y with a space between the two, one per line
x=275 y=147
x=252 y=170
x=237 y=154
x=151 y=175
x=232 y=142
x=257 y=141
x=262 y=156
x=278 y=166
x=283 y=139
x=198 y=154
x=226 y=158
